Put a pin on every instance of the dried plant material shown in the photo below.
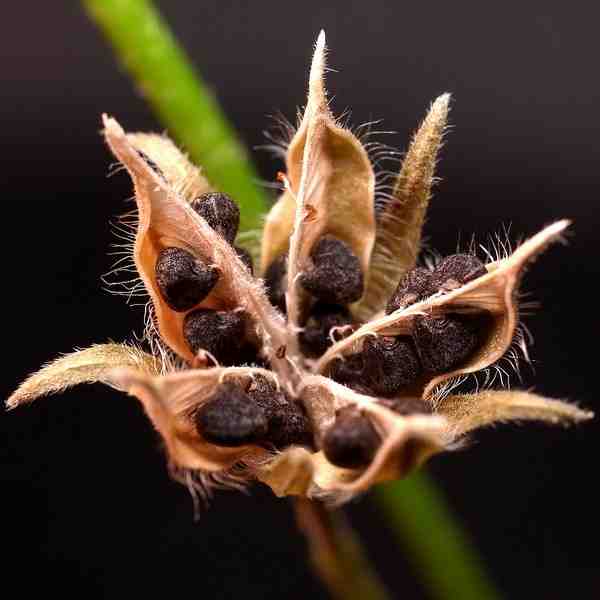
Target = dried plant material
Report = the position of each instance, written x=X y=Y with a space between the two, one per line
x=167 y=220
x=165 y=159
x=91 y=365
x=171 y=402
x=400 y=224
x=493 y=294
x=277 y=230
x=303 y=381
x=467 y=412
x=332 y=179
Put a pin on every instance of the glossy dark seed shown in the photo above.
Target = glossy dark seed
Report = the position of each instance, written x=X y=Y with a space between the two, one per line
x=314 y=339
x=336 y=276
x=351 y=442
x=287 y=422
x=182 y=279
x=391 y=363
x=415 y=286
x=407 y=406
x=444 y=342
x=220 y=212
x=219 y=332
x=456 y=270
x=245 y=257
x=231 y=418
x=276 y=282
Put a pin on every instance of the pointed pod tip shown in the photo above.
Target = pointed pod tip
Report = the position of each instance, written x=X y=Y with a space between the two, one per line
x=317 y=67
x=111 y=126
x=585 y=415
x=12 y=402
x=320 y=39
x=443 y=99
x=561 y=225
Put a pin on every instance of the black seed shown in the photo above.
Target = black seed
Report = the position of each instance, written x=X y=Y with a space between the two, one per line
x=444 y=342
x=219 y=332
x=231 y=418
x=416 y=285
x=245 y=257
x=276 y=282
x=220 y=212
x=287 y=422
x=336 y=276
x=347 y=370
x=249 y=355
x=351 y=442
x=407 y=406
x=456 y=270
x=314 y=339
x=391 y=363
x=182 y=279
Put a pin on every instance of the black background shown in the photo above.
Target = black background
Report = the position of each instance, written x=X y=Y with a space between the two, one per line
x=87 y=508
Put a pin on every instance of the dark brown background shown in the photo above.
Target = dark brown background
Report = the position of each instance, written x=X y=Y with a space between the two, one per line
x=87 y=508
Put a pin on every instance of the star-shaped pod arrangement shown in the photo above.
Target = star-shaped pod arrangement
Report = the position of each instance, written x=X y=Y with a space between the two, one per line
x=332 y=368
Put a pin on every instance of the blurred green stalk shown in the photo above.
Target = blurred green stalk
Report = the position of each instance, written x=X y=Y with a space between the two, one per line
x=448 y=565
x=439 y=549
x=183 y=102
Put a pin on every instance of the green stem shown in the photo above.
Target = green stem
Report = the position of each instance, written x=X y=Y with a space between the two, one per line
x=440 y=550
x=182 y=101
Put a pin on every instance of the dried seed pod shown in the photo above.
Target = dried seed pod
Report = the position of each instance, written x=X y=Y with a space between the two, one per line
x=444 y=342
x=352 y=441
x=456 y=270
x=276 y=282
x=315 y=337
x=493 y=297
x=407 y=406
x=230 y=418
x=222 y=333
x=415 y=286
x=220 y=212
x=391 y=363
x=182 y=279
x=165 y=219
x=335 y=276
x=400 y=221
x=287 y=422
x=331 y=179
x=245 y=257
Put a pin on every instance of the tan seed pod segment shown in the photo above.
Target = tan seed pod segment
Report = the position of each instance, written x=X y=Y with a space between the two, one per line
x=329 y=190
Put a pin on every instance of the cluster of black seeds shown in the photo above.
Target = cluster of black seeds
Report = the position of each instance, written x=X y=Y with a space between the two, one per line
x=185 y=280
x=333 y=280
x=335 y=276
x=352 y=441
x=259 y=414
x=389 y=364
